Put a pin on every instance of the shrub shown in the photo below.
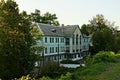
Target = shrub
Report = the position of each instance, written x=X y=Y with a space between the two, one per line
x=49 y=69
x=88 y=60
x=68 y=76
x=104 y=56
x=25 y=78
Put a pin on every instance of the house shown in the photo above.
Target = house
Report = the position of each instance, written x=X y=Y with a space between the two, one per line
x=65 y=42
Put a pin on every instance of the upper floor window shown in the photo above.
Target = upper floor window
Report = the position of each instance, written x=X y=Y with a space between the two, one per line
x=50 y=49
x=84 y=39
x=56 y=39
x=73 y=39
x=51 y=40
x=77 y=39
x=80 y=39
x=67 y=41
x=62 y=40
x=56 y=49
x=45 y=39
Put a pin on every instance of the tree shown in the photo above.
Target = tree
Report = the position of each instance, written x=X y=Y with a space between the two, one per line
x=98 y=22
x=16 y=56
x=86 y=29
x=46 y=18
x=103 y=37
x=103 y=40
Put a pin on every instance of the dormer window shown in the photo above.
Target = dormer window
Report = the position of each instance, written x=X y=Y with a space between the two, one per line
x=53 y=30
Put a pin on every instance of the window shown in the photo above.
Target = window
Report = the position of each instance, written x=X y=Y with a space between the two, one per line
x=45 y=50
x=67 y=41
x=56 y=49
x=76 y=50
x=61 y=40
x=56 y=39
x=50 y=49
x=45 y=39
x=50 y=39
x=73 y=50
x=77 y=39
x=84 y=39
x=73 y=40
x=80 y=39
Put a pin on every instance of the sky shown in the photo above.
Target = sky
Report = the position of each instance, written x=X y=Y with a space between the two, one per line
x=74 y=12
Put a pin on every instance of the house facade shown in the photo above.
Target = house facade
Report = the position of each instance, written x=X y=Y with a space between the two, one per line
x=65 y=42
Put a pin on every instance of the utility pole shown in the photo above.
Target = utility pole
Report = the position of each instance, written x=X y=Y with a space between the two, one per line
x=58 y=53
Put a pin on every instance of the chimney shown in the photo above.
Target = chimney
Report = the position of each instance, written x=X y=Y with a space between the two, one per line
x=62 y=27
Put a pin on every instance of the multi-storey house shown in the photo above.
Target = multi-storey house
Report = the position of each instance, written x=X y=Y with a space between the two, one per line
x=65 y=42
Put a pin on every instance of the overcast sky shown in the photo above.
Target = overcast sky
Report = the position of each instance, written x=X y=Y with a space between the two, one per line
x=72 y=12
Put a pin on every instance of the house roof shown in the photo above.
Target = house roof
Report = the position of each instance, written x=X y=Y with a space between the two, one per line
x=69 y=29
x=50 y=30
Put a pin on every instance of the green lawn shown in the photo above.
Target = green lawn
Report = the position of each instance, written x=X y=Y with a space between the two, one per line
x=99 y=71
x=111 y=73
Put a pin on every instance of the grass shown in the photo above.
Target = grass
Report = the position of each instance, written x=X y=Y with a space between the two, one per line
x=99 y=71
x=111 y=73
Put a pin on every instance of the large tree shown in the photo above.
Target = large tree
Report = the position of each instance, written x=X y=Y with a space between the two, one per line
x=87 y=29
x=16 y=39
x=46 y=18
x=103 y=31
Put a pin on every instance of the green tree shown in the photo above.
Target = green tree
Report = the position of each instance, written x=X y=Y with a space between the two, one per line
x=16 y=56
x=86 y=29
x=116 y=47
x=103 y=40
x=103 y=37
x=98 y=22
x=46 y=18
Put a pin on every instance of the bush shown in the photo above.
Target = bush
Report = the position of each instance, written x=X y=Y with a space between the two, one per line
x=104 y=56
x=88 y=60
x=25 y=78
x=68 y=76
x=49 y=69
x=29 y=78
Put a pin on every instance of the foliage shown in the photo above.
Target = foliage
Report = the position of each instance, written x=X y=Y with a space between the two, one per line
x=86 y=29
x=88 y=60
x=101 y=40
x=104 y=57
x=111 y=73
x=46 y=18
x=101 y=29
x=16 y=55
x=68 y=61
x=68 y=76
x=25 y=78
x=51 y=69
x=45 y=78
x=29 y=78
x=90 y=72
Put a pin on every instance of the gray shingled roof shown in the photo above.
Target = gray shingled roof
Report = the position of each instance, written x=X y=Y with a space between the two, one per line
x=48 y=30
x=69 y=29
